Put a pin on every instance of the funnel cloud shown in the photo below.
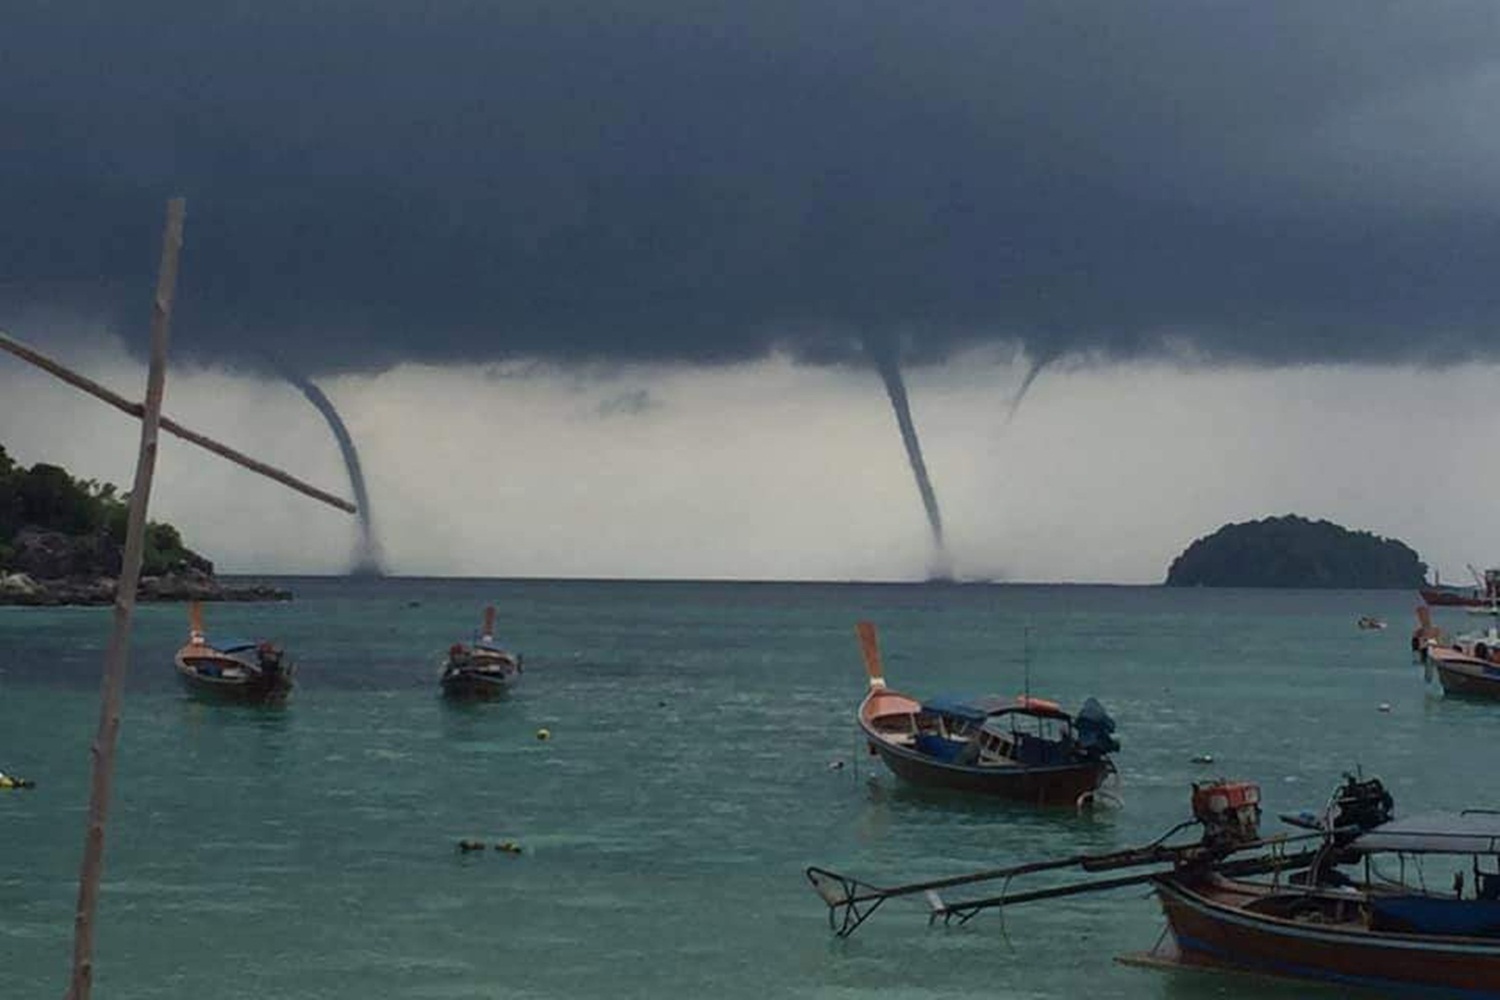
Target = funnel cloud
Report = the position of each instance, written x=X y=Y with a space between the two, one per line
x=367 y=559
x=885 y=354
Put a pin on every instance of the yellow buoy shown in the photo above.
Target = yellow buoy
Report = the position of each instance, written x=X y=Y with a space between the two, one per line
x=544 y=734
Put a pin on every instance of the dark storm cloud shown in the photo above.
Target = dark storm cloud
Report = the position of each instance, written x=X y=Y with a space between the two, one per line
x=704 y=181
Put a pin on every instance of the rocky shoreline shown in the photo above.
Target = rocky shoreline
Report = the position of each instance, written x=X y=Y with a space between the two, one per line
x=51 y=569
x=22 y=589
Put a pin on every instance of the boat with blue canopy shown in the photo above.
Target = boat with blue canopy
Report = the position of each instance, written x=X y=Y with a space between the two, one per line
x=232 y=669
x=1025 y=748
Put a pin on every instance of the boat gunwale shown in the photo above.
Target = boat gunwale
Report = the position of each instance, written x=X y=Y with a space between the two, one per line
x=1177 y=886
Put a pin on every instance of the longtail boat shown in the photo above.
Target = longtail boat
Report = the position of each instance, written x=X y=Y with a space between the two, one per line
x=1485 y=594
x=1027 y=749
x=232 y=669
x=1466 y=665
x=1353 y=901
x=481 y=669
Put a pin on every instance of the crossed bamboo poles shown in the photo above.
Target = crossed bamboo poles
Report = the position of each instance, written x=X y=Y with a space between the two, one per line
x=116 y=656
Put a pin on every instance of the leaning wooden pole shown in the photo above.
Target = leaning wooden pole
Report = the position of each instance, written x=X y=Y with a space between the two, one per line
x=119 y=402
x=117 y=655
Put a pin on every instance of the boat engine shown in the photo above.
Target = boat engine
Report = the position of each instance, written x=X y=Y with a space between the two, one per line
x=1095 y=730
x=269 y=656
x=1361 y=804
x=1229 y=812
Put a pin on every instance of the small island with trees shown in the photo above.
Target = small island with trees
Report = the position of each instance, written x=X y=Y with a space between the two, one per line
x=1295 y=552
x=62 y=540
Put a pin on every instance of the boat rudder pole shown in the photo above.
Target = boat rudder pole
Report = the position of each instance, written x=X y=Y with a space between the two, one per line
x=489 y=622
x=869 y=647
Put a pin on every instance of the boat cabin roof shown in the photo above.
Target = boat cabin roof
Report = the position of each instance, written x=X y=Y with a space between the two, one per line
x=1470 y=832
x=956 y=707
x=979 y=709
x=232 y=645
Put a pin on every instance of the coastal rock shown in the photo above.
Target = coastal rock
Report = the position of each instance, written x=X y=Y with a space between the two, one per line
x=181 y=585
x=61 y=543
x=194 y=584
x=52 y=555
x=18 y=588
x=185 y=585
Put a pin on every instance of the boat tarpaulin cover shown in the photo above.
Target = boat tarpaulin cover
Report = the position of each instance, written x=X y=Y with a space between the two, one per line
x=956 y=707
x=1435 y=833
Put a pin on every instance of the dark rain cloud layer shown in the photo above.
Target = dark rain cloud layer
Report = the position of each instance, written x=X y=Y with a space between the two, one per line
x=704 y=181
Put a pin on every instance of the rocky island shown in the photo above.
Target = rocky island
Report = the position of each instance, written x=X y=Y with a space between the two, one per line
x=1293 y=551
x=61 y=542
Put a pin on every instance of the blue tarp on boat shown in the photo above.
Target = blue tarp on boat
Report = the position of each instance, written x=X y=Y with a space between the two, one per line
x=1436 y=915
x=939 y=748
x=958 y=708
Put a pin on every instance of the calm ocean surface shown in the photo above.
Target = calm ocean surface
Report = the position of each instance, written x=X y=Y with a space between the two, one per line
x=309 y=851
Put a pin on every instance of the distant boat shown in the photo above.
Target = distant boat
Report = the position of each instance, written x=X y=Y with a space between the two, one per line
x=1463 y=665
x=1369 y=623
x=1470 y=665
x=482 y=669
x=1026 y=749
x=1486 y=593
x=232 y=669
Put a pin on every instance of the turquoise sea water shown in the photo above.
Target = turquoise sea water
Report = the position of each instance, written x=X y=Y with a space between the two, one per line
x=309 y=851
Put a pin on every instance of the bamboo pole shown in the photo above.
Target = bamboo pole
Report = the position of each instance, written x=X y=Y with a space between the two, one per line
x=88 y=385
x=117 y=656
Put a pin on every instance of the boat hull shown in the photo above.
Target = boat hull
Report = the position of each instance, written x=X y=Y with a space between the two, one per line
x=1059 y=785
x=254 y=688
x=478 y=684
x=1210 y=931
x=1454 y=598
x=1466 y=677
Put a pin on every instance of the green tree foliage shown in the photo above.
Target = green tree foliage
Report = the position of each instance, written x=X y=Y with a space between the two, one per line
x=1293 y=551
x=45 y=496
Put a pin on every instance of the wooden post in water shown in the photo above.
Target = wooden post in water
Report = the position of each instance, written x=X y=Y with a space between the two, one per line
x=117 y=656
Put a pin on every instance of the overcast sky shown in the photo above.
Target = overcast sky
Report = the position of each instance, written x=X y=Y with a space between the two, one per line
x=591 y=283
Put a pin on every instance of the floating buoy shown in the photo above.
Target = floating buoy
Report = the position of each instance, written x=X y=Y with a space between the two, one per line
x=1204 y=758
x=8 y=781
x=544 y=734
x=1385 y=706
x=470 y=845
x=508 y=847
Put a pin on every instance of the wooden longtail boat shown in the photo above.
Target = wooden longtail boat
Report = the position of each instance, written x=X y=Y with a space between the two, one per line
x=1365 y=929
x=1466 y=665
x=1026 y=749
x=1486 y=592
x=1360 y=906
x=232 y=670
x=482 y=669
